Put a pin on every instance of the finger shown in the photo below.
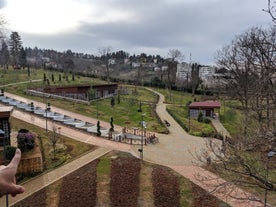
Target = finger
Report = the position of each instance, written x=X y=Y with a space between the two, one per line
x=17 y=189
x=16 y=159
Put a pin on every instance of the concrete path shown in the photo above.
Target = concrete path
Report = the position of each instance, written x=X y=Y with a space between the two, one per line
x=212 y=183
x=220 y=128
x=177 y=150
x=48 y=178
x=18 y=83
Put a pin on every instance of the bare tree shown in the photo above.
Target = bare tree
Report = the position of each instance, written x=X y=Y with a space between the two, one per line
x=105 y=53
x=2 y=24
x=271 y=10
x=54 y=137
x=251 y=60
x=68 y=64
x=174 y=56
x=247 y=159
x=195 y=80
x=241 y=166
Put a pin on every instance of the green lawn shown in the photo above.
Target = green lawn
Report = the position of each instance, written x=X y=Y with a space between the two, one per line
x=177 y=97
x=180 y=114
x=231 y=117
x=124 y=114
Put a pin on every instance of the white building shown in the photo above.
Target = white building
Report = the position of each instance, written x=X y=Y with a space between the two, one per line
x=205 y=72
x=135 y=64
x=183 y=71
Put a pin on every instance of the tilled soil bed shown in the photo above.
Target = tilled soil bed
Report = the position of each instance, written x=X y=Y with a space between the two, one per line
x=165 y=188
x=124 y=184
x=79 y=189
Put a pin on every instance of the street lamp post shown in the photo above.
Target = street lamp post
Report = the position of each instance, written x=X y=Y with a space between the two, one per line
x=189 y=115
x=97 y=104
x=47 y=109
x=59 y=129
x=269 y=155
x=143 y=125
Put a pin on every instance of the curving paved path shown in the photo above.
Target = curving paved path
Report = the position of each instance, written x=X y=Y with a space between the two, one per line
x=176 y=150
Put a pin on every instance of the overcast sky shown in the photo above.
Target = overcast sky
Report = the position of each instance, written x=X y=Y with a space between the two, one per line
x=196 y=27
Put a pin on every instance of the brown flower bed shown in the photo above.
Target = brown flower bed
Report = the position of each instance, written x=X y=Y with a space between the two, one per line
x=38 y=199
x=165 y=187
x=124 y=184
x=79 y=188
x=201 y=198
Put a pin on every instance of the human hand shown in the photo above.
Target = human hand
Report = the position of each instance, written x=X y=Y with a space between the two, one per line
x=7 y=177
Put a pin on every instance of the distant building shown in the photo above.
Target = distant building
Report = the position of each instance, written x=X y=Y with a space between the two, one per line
x=135 y=64
x=164 y=68
x=112 y=61
x=206 y=72
x=183 y=71
x=82 y=92
x=157 y=68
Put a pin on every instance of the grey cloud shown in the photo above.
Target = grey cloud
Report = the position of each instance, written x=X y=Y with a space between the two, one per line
x=198 y=27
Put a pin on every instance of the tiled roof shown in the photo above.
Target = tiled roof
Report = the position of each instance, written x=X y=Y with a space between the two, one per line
x=205 y=104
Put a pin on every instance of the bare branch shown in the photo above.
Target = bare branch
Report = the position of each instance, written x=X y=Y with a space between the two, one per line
x=271 y=10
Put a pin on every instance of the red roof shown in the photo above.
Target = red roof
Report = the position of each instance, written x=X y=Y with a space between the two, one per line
x=205 y=104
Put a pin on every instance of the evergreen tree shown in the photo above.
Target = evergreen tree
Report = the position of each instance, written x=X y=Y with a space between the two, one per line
x=4 y=54
x=44 y=77
x=112 y=102
x=98 y=128
x=111 y=125
x=119 y=98
x=23 y=57
x=15 y=45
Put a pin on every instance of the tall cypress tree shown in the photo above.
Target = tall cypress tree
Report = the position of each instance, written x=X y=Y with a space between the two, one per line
x=15 y=44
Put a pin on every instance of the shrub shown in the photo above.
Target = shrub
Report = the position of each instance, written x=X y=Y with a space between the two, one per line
x=200 y=117
x=207 y=121
x=23 y=131
x=98 y=128
x=111 y=125
x=9 y=152
x=25 y=141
